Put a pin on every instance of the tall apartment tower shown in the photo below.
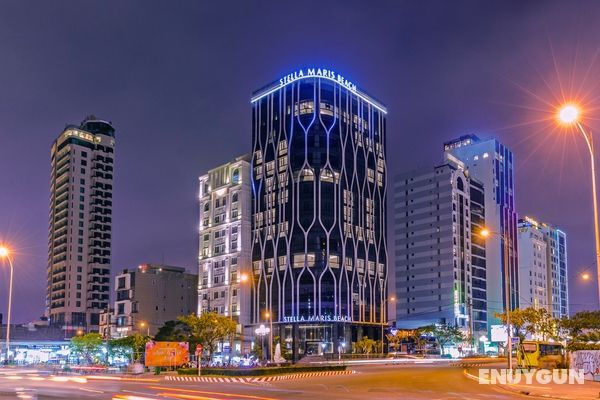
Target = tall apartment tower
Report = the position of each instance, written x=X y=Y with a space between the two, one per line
x=543 y=267
x=492 y=163
x=440 y=260
x=319 y=212
x=225 y=243
x=79 y=241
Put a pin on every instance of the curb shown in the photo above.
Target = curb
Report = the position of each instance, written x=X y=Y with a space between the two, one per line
x=216 y=379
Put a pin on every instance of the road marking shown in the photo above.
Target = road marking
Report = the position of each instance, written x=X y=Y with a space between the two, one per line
x=245 y=396
x=91 y=390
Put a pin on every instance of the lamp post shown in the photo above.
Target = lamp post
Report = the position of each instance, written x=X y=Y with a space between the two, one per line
x=270 y=316
x=147 y=326
x=383 y=319
x=570 y=115
x=262 y=331
x=486 y=233
x=5 y=253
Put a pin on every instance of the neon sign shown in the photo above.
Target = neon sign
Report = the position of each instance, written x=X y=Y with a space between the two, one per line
x=317 y=73
x=318 y=318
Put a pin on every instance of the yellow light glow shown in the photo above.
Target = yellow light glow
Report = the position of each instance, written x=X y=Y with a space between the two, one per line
x=4 y=252
x=267 y=314
x=484 y=233
x=392 y=298
x=142 y=324
x=585 y=276
x=243 y=277
x=568 y=114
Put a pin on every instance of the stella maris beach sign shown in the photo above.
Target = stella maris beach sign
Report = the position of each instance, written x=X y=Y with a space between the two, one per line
x=317 y=318
x=317 y=73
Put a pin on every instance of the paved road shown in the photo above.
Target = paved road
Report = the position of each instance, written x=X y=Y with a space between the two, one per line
x=370 y=383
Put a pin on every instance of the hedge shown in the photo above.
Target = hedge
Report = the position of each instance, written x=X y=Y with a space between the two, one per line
x=260 y=371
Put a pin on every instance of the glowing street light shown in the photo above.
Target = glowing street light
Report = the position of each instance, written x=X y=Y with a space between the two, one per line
x=485 y=233
x=270 y=317
x=569 y=114
x=5 y=253
x=585 y=276
x=147 y=326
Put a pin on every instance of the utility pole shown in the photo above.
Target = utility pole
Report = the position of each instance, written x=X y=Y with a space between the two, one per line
x=470 y=311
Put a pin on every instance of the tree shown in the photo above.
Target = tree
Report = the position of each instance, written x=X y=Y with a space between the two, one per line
x=134 y=345
x=172 y=331
x=364 y=345
x=445 y=334
x=533 y=321
x=518 y=319
x=540 y=323
x=583 y=330
x=581 y=322
x=87 y=346
x=208 y=329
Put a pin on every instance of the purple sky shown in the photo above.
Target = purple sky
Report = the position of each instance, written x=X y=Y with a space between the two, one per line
x=176 y=78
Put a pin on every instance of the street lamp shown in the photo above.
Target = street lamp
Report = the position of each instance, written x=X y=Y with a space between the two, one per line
x=5 y=253
x=383 y=314
x=262 y=331
x=144 y=324
x=585 y=276
x=268 y=315
x=486 y=233
x=569 y=115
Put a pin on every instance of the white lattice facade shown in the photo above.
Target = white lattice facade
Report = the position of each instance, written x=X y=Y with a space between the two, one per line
x=319 y=211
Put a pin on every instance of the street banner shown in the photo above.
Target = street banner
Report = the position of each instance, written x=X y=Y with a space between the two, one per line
x=166 y=354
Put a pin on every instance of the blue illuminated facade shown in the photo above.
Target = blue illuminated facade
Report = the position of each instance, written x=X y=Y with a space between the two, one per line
x=319 y=211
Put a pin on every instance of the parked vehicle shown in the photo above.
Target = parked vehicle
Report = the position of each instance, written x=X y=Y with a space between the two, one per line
x=538 y=354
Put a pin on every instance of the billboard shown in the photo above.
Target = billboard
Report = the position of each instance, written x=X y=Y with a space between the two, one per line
x=166 y=354
x=499 y=333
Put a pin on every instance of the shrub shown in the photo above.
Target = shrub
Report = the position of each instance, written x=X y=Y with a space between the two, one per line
x=260 y=371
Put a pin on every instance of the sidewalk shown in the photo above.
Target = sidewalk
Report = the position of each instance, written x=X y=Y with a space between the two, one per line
x=588 y=390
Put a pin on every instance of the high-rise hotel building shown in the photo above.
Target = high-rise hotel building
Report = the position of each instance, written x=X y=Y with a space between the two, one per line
x=492 y=163
x=79 y=242
x=319 y=253
x=543 y=267
x=225 y=244
x=440 y=259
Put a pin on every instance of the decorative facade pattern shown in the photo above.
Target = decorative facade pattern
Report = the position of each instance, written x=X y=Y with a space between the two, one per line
x=319 y=250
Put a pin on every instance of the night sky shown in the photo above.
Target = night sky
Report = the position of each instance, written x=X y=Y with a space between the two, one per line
x=175 y=78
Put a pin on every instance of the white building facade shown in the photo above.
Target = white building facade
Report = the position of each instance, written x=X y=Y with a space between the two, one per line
x=543 y=266
x=533 y=268
x=225 y=259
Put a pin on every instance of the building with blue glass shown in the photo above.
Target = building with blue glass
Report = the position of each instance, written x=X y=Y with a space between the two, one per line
x=492 y=163
x=319 y=255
